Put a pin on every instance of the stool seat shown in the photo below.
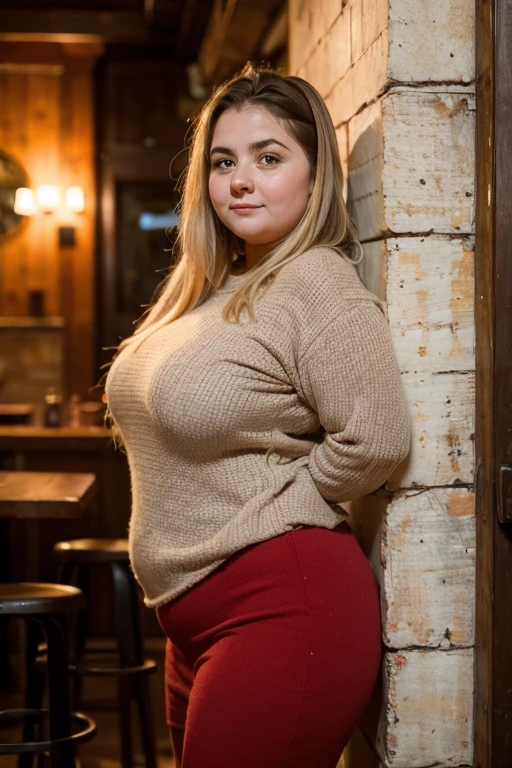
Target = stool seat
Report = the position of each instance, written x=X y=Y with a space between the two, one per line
x=27 y=598
x=93 y=550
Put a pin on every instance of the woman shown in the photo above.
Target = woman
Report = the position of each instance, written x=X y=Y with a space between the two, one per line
x=250 y=404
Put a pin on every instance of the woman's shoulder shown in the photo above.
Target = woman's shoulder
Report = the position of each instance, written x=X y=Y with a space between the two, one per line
x=326 y=274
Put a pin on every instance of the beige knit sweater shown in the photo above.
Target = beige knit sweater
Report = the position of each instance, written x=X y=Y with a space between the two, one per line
x=239 y=432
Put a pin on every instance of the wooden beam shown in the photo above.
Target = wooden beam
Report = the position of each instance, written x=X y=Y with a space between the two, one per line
x=216 y=32
x=276 y=37
x=38 y=54
x=233 y=36
x=115 y=26
x=149 y=12
x=187 y=16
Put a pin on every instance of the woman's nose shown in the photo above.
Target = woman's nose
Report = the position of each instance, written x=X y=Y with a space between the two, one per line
x=241 y=182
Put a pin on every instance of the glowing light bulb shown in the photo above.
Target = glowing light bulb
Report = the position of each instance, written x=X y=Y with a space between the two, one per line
x=24 y=204
x=75 y=199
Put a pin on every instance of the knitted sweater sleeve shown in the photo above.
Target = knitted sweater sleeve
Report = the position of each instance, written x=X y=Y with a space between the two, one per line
x=350 y=377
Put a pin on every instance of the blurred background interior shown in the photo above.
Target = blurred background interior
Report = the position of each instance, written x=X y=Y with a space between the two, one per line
x=96 y=97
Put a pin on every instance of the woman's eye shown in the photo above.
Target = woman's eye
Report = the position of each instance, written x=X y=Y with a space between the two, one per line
x=269 y=160
x=222 y=163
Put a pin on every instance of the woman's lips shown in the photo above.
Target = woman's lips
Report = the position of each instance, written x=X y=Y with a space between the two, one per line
x=244 y=208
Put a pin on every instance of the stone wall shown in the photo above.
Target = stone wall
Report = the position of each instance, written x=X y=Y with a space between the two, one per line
x=398 y=78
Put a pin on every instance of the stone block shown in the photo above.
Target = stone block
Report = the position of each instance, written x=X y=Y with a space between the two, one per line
x=442 y=444
x=431 y=41
x=428 y=577
x=411 y=164
x=430 y=293
x=428 y=718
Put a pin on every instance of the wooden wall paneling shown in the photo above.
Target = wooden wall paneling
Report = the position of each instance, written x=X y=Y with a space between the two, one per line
x=484 y=320
x=13 y=124
x=502 y=580
x=14 y=141
x=107 y=267
x=77 y=263
x=140 y=103
x=503 y=267
x=43 y=157
x=46 y=123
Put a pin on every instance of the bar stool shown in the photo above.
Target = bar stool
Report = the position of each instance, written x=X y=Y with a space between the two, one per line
x=129 y=665
x=46 y=605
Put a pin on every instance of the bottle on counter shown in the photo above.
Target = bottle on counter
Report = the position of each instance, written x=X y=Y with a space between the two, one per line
x=52 y=409
x=74 y=411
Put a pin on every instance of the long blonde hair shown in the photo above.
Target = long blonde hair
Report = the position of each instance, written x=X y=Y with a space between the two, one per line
x=206 y=247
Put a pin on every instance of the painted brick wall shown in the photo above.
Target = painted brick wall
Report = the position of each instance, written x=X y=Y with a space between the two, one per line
x=398 y=78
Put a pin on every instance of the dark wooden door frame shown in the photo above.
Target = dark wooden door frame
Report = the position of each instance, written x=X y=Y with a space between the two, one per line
x=493 y=693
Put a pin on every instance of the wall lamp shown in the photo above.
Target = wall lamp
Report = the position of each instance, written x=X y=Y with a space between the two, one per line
x=46 y=199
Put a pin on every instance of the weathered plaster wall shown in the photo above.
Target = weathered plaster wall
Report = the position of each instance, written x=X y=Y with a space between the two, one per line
x=397 y=76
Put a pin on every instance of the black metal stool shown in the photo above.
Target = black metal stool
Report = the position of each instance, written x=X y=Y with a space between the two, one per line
x=129 y=665
x=46 y=605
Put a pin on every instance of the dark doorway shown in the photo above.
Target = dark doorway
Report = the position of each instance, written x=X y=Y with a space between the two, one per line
x=141 y=137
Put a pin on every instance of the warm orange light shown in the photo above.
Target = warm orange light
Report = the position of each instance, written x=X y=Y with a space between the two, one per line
x=75 y=199
x=48 y=198
x=24 y=204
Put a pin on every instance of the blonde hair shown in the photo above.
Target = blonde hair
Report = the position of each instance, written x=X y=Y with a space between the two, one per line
x=206 y=247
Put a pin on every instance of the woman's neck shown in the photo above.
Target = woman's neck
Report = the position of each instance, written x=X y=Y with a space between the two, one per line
x=254 y=254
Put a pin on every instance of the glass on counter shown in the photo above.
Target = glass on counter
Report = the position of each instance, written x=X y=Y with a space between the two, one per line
x=52 y=408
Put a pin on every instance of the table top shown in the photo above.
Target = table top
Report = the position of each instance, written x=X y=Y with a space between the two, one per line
x=29 y=438
x=45 y=495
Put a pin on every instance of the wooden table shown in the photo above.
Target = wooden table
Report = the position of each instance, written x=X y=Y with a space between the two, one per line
x=35 y=496
x=45 y=495
x=24 y=437
x=75 y=450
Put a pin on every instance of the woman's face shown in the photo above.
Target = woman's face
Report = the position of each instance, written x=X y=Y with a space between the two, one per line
x=260 y=178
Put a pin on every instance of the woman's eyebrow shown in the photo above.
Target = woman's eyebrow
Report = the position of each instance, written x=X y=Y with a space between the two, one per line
x=265 y=143
x=255 y=146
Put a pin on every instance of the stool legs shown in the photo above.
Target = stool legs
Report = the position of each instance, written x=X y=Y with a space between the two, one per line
x=129 y=634
x=55 y=630
x=58 y=674
x=82 y=581
x=127 y=655
x=131 y=687
x=126 y=616
x=34 y=686
x=142 y=695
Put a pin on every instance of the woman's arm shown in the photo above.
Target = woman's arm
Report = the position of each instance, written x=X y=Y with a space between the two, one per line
x=349 y=375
